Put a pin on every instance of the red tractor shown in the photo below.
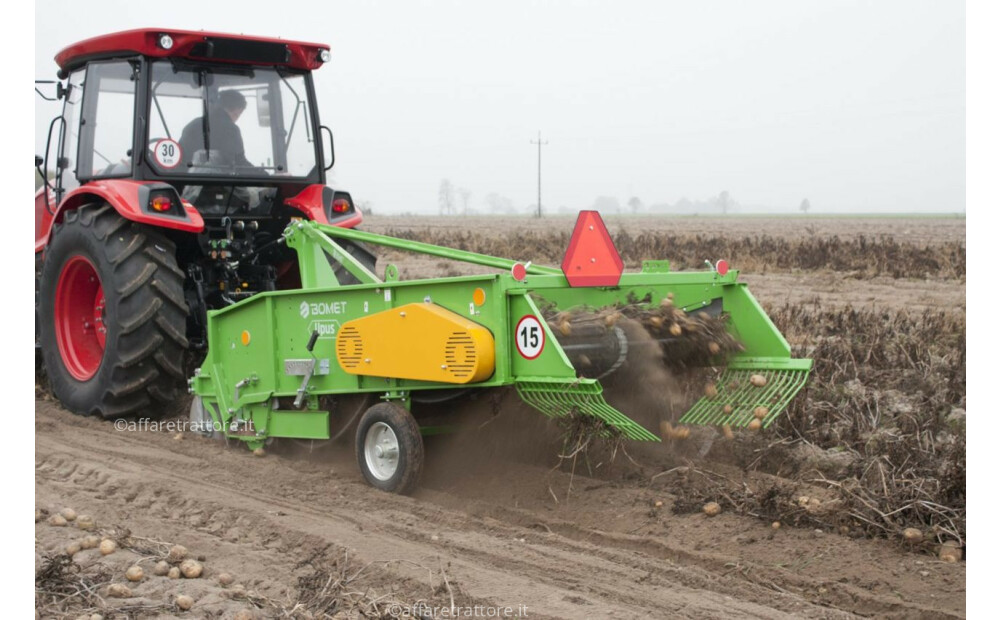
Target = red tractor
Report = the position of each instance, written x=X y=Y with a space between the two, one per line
x=177 y=161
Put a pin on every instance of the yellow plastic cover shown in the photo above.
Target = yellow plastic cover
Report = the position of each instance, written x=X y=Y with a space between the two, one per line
x=420 y=341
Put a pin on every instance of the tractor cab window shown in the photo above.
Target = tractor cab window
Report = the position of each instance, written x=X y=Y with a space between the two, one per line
x=107 y=121
x=228 y=122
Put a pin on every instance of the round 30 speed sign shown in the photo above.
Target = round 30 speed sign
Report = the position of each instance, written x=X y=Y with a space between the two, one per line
x=167 y=153
x=529 y=337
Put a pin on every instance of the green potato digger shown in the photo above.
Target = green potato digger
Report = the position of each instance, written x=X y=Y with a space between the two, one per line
x=273 y=357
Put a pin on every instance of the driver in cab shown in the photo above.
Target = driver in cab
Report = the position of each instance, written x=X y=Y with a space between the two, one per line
x=217 y=138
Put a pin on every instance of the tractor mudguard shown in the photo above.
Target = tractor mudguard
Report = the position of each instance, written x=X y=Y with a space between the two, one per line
x=124 y=196
x=317 y=202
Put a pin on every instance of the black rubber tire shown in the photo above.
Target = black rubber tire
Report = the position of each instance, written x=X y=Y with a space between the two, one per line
x=141 y=370
x=411 y=447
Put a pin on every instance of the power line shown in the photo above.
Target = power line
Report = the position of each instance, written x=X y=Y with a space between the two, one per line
x=539 y=143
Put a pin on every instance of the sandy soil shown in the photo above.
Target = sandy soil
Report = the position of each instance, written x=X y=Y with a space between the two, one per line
x=504 y=531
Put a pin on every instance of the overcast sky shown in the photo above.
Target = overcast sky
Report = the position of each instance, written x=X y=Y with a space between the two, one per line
x=857 y=106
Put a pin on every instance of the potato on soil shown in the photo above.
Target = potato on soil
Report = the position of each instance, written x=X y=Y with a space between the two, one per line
x=174 y=573
x=565 y=328
x=161 y=568
x=711 y=391
x=950 y=552
x=73 y=548
x=177 y=554
x=711 y=509
x=260 y=452
x=108 y=546
x=134 y=573
x=68 y=513
x=776 y=525
x=666 y=430
x=89 y=542
x=714 y=348
x=754 y=425
x=85 y=522
x=727 y=431
x=758 y=380
x=119 y=590
x=760 y=413
x=225 y=579
x=676 y=329
x=656 y=321
x=57 y=521
x=184 y=602
x=682 y=433
x=191 y=569
x=912 y=535
x=612 y=319
x=728 y=409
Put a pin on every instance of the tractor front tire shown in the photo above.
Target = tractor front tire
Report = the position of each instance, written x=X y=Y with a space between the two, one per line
x=389 y=448
x=112 y=315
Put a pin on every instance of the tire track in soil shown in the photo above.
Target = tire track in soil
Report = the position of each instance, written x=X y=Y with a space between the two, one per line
x=531 y=577
x=274 y=512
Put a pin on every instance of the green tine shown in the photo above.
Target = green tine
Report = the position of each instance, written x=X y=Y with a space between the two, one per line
x=560 y=398
x=782 y=385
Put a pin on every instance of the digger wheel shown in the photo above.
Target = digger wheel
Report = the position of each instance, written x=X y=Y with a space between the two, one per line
x=112 y=315
x=389 y=448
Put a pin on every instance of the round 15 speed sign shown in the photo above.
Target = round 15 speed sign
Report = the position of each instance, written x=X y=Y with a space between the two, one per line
x=529 y=337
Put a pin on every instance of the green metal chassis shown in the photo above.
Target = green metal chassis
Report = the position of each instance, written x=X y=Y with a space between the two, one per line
x=240 y=382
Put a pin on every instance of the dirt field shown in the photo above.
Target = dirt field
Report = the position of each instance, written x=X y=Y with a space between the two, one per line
x=502 y=521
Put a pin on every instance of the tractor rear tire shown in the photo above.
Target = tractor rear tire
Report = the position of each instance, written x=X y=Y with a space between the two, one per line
x=389 y=448
x=112 y=315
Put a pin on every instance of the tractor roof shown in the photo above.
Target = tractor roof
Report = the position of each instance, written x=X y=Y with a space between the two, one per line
x=195 y=45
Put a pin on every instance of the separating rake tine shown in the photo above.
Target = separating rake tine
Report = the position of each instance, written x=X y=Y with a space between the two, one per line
x=558 y=399
x=782 y=385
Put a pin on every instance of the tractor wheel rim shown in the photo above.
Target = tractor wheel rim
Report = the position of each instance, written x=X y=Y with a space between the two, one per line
x=381 y=451
x=79 y=318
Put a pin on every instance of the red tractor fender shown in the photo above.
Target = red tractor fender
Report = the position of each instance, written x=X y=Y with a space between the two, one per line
x=122 y=195
x=316 y=202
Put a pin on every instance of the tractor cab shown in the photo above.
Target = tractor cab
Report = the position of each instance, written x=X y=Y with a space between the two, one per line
x=229 y=122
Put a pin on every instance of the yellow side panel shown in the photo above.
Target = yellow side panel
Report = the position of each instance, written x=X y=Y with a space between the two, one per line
x=419 y=341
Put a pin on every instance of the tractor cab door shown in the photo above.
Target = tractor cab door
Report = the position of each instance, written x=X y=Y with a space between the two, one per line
x=107 y=126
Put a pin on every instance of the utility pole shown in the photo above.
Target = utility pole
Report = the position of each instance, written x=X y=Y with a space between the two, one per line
x=539 y=143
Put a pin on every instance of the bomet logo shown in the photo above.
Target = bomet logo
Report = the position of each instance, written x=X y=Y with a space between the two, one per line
x=322 y=308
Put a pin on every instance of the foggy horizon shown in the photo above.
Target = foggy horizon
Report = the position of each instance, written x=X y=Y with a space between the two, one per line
x=856 y=108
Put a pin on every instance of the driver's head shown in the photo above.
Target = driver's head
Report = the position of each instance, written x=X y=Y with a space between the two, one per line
x=233 y=102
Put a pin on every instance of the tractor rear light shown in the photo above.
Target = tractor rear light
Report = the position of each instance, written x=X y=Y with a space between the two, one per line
x=722 y=267
x=166 y=41
x=341 y=205
x=161 y=203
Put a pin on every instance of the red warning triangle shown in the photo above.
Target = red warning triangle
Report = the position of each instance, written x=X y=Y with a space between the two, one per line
x=592 y=259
